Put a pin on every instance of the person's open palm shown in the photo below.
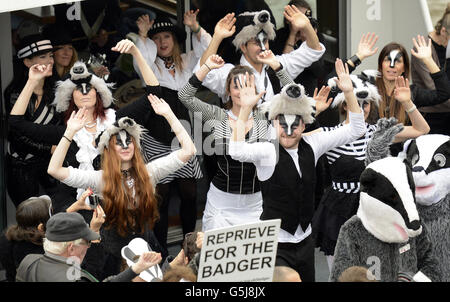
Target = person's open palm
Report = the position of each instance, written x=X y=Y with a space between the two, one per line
x=343 y=81
x=402 y=91
x=296 y=18
x=247 y=90
x=190 y=18
x=366 y=46
x=321 y=98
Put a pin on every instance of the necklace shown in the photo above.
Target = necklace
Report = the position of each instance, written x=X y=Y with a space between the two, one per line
x=168 y=62
x=91 y=124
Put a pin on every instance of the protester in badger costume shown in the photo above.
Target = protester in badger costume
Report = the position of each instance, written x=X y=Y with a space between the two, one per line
x=286 y=167
x=386 y=235
x=346 y=163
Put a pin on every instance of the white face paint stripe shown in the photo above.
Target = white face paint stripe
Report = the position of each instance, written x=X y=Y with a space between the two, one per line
x=394 y=56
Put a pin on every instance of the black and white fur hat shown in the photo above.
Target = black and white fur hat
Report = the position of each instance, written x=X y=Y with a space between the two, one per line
x=292 y=100
x=250 y=24
x=363 y=87
x=430 y=159
x=80 y=76
x=387 y=206
x=124 y=124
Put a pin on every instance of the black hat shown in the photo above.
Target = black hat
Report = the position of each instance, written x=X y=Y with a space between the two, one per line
x=130 y=16
x=58 y=35
x=33 y=45
x=64 y=227
x=165 y=24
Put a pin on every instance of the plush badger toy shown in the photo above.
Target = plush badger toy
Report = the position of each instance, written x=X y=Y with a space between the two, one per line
x=430 y=159
x=386 y=234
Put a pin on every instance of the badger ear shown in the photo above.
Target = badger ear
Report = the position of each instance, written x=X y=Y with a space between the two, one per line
x=368 y=179
x=332 y=83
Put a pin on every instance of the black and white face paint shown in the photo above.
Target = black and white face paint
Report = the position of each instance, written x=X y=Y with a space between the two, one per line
x=394 y=56
x=84 y=87
x=123 y=139
x=289 y=123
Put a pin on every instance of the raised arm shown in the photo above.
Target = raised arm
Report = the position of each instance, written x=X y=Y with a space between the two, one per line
x=187 y=93
x=190 y=20
x=127 y=46
x=345 y=83
x=75 y=123
x=187 y=145
x=36 y=74
x=402 y=93
x=224 y=28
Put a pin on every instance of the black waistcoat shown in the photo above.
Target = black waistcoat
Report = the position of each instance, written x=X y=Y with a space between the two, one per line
x=286 y=195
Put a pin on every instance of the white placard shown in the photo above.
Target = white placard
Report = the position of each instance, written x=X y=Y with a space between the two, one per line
x=244 y=253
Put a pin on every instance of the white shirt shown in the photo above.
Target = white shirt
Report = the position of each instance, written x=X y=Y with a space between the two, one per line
x=294 y=63
x=264 y=156
x=148 y=49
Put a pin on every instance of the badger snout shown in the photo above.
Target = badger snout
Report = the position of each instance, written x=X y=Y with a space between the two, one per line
x=263 y=17
x=294 y=91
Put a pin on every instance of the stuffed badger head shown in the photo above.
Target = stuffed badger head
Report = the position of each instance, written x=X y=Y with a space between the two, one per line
x=430 y=159
x=387 y=206
x=363 y=87
x=254 y=25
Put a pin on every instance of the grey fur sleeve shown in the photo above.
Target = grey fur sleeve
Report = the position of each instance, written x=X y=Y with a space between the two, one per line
x=378 y=146
x=342 y=255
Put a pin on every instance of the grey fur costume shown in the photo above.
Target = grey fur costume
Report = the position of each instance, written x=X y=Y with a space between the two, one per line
x=356 y=246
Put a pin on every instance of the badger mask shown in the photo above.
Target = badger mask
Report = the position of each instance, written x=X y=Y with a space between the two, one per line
x=430 y=159
x=254 y=25
x=387 y=206
x=363 y=87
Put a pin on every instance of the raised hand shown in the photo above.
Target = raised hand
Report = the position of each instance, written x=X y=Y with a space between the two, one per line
x=366 y=46
x=423 y=48
x=267 y=57
x=296 y=18
x=38 y=72
x=247 y=90
x=225 y=27
x=214 y=62
x=322 y=103
x=77 y=120
x=159 y=105
x=343 y=81
x=125 y=46
x=402 y=91
x=144 y=24
x=190 y=19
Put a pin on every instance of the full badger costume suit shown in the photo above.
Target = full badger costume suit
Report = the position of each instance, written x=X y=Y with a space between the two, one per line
x=430 y=158
x=386 y=235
